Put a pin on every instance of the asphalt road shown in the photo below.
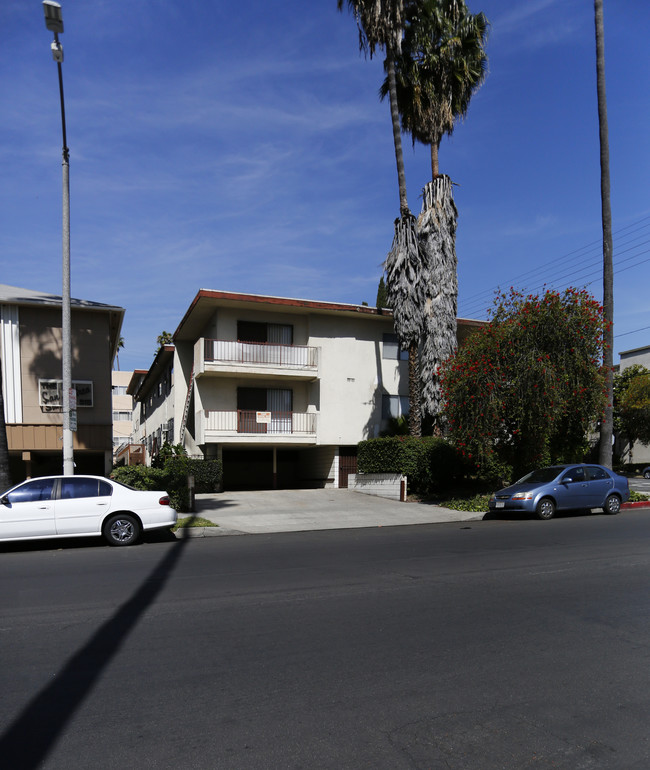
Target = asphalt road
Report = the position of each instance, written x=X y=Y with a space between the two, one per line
x=493 y=644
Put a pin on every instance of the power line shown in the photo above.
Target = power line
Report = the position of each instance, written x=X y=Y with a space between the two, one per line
x=583 y=261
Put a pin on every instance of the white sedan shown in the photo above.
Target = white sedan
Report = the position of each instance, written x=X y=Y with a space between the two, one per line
x=79 y=506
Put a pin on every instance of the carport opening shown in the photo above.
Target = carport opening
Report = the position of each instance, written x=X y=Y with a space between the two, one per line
x=253 y=469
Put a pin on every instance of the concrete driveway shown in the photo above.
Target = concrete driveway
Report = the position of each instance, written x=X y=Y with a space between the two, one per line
x=294 y=510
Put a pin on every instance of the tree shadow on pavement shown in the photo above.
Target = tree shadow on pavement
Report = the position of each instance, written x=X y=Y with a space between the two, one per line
x=34 y=732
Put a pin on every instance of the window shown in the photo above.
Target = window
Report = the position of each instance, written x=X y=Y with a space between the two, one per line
x=122 y=416
x=32 y=491
x=394 y=406
x=391 y=349
x=575 y=474
x=50 y=393
x=279 y=334
x=73 y=487
x=597 y=474
x=119 y=390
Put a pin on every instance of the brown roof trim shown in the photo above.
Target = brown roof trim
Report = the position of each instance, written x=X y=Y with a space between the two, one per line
x=142 y=379
x=289 y=302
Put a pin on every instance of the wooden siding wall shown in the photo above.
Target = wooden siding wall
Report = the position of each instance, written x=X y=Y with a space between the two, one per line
x=49 y=437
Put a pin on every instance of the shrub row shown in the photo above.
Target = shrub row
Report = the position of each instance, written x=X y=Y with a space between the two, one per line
x=172 y=478
x=430 y=463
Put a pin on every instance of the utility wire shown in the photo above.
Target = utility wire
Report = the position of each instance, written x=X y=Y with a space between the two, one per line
x=584 y=265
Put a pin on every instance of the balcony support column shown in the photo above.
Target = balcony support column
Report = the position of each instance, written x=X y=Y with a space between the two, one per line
x=275 y=467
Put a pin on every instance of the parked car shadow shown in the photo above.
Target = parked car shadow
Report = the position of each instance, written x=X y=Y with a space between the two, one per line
x=523 y=516
x=57 y=544
x=55 y=705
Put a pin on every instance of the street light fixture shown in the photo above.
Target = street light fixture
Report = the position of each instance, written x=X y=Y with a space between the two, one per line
x=54 y=22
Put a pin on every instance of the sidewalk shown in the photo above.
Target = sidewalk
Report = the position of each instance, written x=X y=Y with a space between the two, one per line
x=296 y=510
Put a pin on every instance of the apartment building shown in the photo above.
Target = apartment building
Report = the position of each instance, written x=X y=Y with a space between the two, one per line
x=30 y=346
x=122 y=404
x=280 y=389
x=153 y=395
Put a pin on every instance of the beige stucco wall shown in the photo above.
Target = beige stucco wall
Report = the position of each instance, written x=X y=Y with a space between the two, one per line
x=220 y=393
x=354 y=376
x=40 y=354
x=223 y=325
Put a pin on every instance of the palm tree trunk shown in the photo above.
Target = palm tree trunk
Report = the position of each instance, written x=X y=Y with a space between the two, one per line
x=435 y=167
x=397 y=133
x=5 y=480
x=606 y=425
x=437 y=244
x=415 y=413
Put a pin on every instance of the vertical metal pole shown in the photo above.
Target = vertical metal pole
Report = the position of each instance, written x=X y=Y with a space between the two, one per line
x=66 y=325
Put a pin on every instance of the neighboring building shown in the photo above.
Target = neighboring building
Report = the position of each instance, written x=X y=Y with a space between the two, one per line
x=30 y=332
x=281 y=389
x=638 y=453
x=122 y=409
x=153 y=393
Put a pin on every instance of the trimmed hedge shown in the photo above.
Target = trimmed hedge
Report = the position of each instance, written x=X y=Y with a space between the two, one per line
x=172 y=478
x=430 y=462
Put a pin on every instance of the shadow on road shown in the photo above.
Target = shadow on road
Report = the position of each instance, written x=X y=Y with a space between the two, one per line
x=31 y=736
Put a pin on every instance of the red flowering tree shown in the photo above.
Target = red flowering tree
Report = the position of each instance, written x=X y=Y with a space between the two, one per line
x=526 y=389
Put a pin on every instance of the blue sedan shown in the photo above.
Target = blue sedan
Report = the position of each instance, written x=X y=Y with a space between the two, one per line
x=561 y=488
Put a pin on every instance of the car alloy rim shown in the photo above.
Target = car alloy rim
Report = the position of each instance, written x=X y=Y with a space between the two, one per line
x=614 y=504
x=547 y=508
x=122 y=530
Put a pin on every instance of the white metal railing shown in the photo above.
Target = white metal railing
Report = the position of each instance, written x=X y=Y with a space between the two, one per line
x=271 y=423
x=266 y=353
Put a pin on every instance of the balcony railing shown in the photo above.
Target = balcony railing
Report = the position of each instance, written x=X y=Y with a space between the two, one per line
x=270 y=423
x=264 y=353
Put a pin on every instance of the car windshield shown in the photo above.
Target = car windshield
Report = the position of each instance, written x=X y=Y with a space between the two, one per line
x=541 y=475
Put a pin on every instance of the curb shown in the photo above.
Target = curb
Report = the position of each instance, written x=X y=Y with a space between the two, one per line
x=185 y=532
x=640 y=504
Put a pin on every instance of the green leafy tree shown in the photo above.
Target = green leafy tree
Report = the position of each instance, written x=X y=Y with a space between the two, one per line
x=632 y=406
x=525 y=390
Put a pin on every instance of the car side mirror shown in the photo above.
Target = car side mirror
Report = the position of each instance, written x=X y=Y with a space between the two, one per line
x=567 y=479
x=4 y=500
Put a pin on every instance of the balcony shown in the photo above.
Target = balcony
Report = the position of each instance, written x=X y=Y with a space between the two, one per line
x=246 y=426
x=255 y=359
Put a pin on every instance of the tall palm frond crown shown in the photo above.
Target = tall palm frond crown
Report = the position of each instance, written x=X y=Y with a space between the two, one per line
x=443 y=63
x=380 y=22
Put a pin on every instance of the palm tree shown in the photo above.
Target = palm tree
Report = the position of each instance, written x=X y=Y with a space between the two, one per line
x=443 y=63
x=381 y=26
x=606 y=424
x=164 y=338
x=120 y=345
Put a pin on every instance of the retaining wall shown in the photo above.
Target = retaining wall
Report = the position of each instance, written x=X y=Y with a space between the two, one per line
x=390 y=485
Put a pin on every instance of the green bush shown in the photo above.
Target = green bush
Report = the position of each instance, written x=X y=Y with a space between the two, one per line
x=430 y=463
x=172 y=477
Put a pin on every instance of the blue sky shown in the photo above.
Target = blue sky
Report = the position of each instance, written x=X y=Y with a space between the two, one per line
x=242 y=147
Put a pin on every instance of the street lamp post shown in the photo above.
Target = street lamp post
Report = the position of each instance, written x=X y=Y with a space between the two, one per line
x=54 y=22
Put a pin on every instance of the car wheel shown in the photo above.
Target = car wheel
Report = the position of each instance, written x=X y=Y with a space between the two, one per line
x=612 y=504
x=545 y=508
x=121 y=529
x=646 y=474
